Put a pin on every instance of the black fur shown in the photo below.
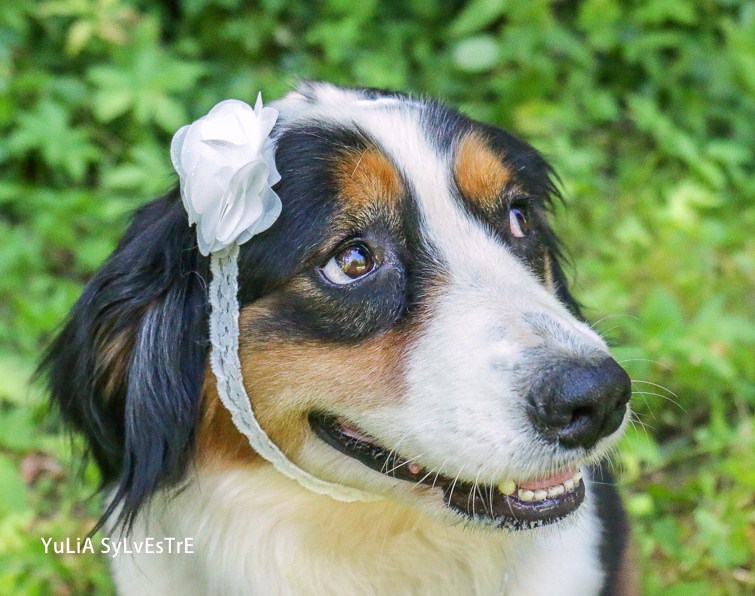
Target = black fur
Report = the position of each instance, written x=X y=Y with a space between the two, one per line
x=127 y=368
x=306 y=235
x=615 y=534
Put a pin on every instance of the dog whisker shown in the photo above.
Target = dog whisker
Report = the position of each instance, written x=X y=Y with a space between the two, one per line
x=473 y=494
x=656 y=362
x=393 y=453
x=614 y=316
x=666 y=397
x=455 y=481
x=634 y=419
x=405 y=463
x=655 y=385
x=647 y=405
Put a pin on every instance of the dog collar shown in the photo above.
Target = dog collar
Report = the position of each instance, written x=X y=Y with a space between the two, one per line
x=226 y=165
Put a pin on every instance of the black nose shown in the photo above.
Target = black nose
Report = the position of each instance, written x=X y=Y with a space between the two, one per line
x=578 y=404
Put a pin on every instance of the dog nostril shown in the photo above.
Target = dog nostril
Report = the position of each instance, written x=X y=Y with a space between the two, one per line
x=577 y=405
x=581 y=412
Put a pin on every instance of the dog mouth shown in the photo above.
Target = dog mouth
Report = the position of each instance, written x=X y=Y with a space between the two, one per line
x=514 y=505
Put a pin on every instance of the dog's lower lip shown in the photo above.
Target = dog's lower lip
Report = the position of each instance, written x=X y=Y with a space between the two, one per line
x=517 y=510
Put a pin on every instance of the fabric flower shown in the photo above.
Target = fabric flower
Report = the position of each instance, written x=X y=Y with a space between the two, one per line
x=226 y=164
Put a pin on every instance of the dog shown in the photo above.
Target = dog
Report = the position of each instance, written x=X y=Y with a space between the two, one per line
x=406 y=329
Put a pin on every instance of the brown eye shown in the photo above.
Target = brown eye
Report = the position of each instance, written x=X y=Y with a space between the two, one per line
x=350 y=264
x=518 y=223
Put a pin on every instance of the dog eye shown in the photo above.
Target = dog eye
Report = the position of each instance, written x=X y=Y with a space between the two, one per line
x=518 y=223
x=350 y=264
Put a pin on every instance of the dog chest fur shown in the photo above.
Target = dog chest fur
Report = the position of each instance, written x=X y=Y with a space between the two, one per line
x=256 y=532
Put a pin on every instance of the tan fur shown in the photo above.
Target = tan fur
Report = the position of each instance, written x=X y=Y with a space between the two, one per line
x=219 y=444
x=367 y=182
x=366 y=176
x=286 y=379
x=480 y=173
x=113 y=361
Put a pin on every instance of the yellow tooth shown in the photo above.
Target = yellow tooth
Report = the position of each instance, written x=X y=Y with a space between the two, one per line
x=507 y=487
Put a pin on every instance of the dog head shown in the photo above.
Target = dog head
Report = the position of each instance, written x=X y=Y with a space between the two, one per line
x=405 y=325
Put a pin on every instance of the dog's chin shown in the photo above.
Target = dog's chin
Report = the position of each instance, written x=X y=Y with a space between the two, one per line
x=522 y=505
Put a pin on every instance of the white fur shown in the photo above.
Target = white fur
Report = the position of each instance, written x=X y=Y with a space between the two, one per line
x=256 y=532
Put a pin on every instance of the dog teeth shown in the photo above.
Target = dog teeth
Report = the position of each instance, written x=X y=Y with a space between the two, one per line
x=525 y=495
x=509 y=488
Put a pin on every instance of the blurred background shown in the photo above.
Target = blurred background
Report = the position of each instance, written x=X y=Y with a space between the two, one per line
x=646 y=108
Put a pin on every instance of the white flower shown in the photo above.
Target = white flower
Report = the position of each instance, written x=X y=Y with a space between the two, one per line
x=226 y=164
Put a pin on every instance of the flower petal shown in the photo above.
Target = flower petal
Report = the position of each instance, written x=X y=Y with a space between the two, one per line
x=271 y=210
x=226 y=165
x=243 y=204
x=176 y=146
x=268 y=154
x=223 y=122
x=206 y=232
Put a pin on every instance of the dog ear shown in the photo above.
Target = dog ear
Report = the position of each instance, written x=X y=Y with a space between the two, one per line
x=542 y=181
x=555 y=254
x=557 y=278
x=127 y=368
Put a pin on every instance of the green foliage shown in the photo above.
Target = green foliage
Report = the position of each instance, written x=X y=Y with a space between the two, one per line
x=644 y=107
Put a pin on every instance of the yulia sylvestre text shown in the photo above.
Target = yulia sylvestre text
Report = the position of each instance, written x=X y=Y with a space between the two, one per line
x=152 y=546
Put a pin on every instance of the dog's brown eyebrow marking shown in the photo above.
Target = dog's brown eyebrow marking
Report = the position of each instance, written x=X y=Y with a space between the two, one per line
x=480 y=172
x=368 y=176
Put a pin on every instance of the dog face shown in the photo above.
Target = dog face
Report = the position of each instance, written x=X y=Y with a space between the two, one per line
x=405 y=326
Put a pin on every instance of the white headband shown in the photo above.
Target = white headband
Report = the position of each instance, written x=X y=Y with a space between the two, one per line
x=226 y=163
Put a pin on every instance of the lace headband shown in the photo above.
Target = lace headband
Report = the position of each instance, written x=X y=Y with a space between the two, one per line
x=226 y=165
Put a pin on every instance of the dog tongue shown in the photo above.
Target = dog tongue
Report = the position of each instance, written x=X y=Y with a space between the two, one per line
x=559 y=478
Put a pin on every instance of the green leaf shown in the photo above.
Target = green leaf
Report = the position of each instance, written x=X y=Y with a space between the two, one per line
x=17 y=430
x=48 y=130
x=477 y=15
x=15 y=374
x=143 y=81
x=476 y=54
x=13 y=492
x=689 y=589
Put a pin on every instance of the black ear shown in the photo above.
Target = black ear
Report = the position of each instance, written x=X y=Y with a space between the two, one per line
x=127 y=368
x=556 y=256
x=559 y=281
